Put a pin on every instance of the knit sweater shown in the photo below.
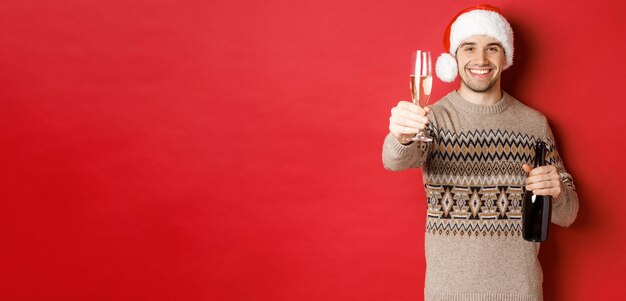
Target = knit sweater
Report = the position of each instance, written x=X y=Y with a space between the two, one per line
x=474 y=182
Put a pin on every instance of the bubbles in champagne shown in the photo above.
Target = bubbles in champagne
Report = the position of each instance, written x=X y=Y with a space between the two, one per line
x=428 y=85
x=420 y=89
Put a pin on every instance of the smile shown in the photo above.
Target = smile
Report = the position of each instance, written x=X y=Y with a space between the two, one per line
x=479 y=71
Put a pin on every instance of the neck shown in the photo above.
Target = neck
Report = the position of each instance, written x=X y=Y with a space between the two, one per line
x=489 y=97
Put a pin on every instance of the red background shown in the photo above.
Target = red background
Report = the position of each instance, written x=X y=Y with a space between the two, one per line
x=230 y=150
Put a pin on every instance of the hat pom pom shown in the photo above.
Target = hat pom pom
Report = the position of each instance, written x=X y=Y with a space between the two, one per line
x=446 y=68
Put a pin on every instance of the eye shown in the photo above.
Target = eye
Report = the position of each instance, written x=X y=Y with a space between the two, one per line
x=494 y=49
x=468 y=49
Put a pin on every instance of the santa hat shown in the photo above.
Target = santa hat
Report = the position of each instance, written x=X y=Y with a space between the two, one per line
x=482 y=19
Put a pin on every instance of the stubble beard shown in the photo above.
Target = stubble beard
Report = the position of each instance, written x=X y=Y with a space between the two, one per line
x=479 y=87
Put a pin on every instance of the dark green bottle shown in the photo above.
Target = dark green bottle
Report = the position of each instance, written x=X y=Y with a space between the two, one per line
x=536 y=209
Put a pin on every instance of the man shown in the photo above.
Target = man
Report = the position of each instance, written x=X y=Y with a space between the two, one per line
x=476 y=168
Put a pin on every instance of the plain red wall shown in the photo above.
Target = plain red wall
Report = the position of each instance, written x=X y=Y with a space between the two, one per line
x=230 y=150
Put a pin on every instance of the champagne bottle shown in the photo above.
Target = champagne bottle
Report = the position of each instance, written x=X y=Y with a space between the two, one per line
x=536 y=209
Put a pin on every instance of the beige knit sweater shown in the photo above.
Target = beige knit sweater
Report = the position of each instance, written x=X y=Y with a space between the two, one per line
x=474 y=182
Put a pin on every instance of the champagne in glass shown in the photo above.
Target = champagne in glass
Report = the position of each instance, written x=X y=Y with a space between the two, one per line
x=421 y=84
x=420 y=89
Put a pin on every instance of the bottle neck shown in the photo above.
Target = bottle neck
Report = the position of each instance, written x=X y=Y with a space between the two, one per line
x=540 y=154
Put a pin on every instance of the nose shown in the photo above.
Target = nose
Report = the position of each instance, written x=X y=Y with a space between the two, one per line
x=481 y=58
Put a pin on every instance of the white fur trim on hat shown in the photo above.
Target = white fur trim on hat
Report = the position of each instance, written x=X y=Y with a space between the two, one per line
x=446 y=68
x=483 y=22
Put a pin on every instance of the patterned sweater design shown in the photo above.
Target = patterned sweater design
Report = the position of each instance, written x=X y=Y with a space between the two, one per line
x=474 y=181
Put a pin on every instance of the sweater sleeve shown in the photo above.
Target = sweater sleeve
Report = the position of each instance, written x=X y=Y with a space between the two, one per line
x=564 y=207
x=398 y=157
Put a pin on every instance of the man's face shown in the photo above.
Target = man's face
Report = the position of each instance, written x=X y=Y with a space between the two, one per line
x=481 y=61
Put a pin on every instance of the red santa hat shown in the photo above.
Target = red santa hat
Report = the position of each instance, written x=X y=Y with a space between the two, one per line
x=482 y=19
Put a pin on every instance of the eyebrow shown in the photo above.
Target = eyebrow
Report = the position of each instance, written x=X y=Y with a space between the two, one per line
x=468 y=44
x=474 y=44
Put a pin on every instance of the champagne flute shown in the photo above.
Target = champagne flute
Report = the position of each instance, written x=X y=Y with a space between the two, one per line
x=421 y=85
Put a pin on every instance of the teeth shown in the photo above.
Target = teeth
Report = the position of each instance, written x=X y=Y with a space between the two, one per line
x=478 y=71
